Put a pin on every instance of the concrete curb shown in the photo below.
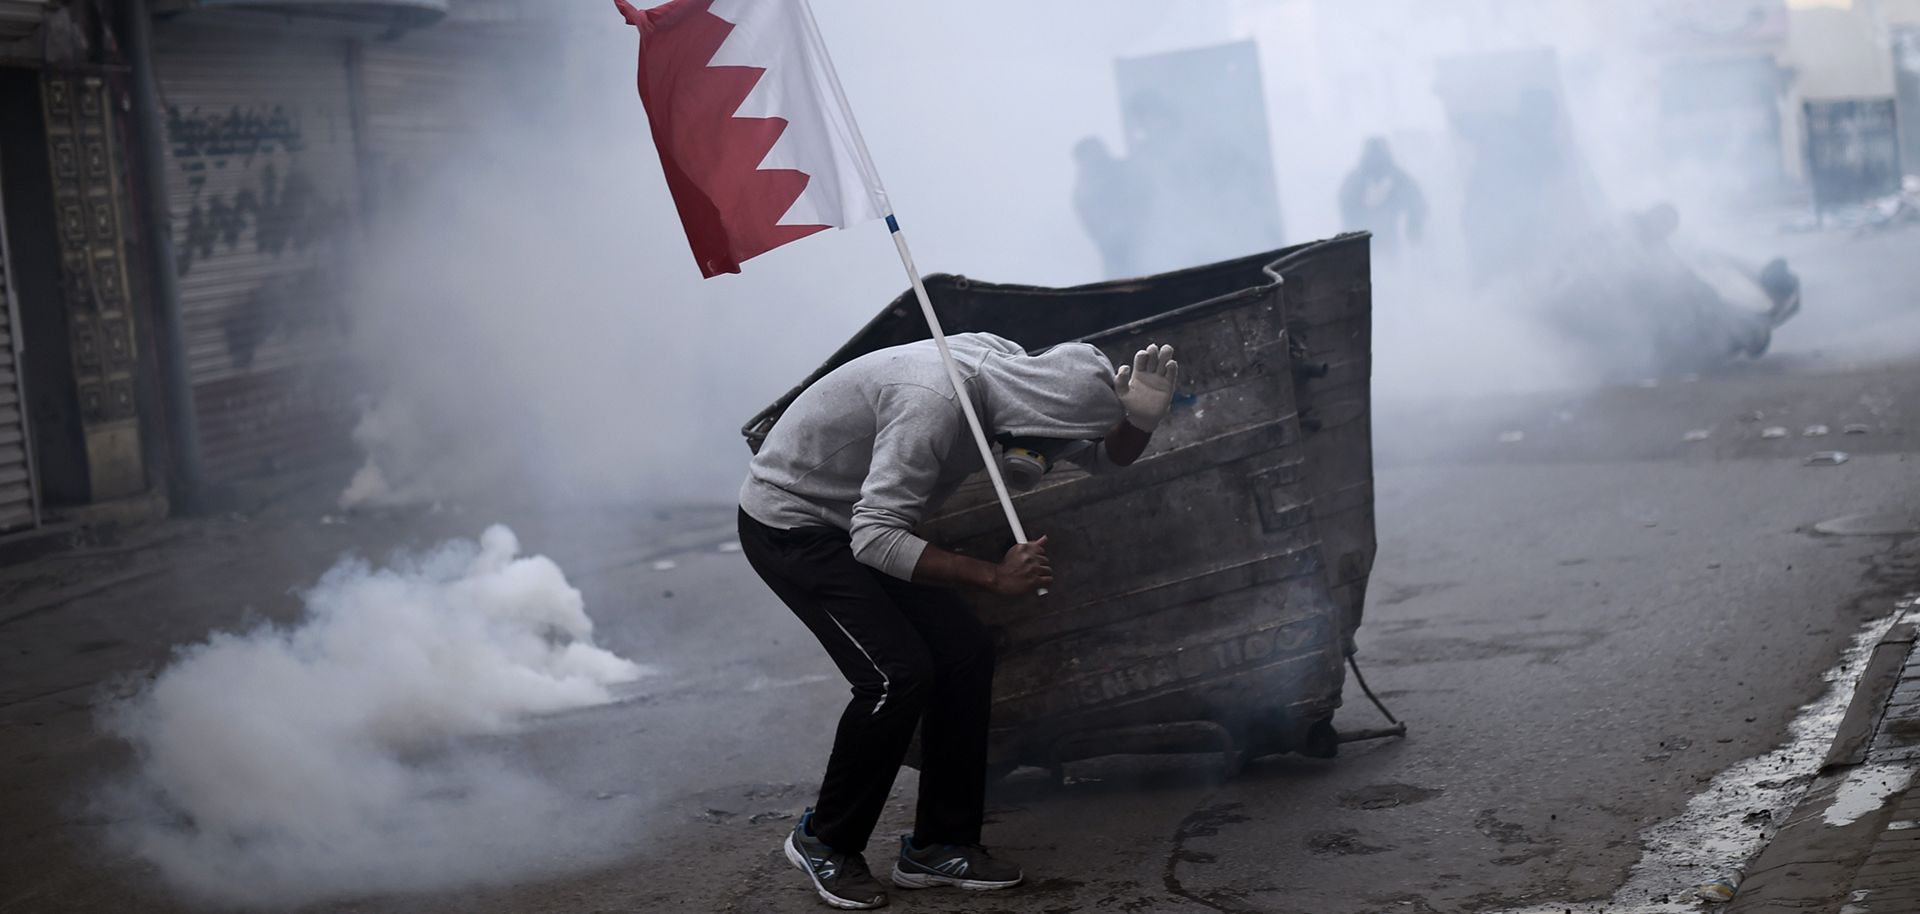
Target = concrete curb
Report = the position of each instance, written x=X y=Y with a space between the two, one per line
x=1810 y=866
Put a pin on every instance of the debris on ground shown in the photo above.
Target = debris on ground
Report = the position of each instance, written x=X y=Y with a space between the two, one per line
x=1827 y=459
x=1698 y=434
x=730 y=546
x=1857 y=428
x=1890 y=523
x=1815 y=431
x=1774 y=431
x=665 y=565
x=1720 y=890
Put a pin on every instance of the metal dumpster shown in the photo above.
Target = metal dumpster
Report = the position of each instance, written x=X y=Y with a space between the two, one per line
x=1204 y=598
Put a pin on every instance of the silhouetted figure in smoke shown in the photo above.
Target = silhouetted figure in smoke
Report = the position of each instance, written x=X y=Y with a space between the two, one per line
x=1642 y=302
x=1381 y=198
x=1111 y=205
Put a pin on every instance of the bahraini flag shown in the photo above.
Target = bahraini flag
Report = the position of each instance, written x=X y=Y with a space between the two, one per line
x=758 y=144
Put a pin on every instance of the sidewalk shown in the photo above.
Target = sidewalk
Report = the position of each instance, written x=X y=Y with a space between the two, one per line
x=1852 y=845
x=1890 y=878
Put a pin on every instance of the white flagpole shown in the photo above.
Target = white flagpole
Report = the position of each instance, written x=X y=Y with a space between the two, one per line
x=857 y=145
x=959 y=386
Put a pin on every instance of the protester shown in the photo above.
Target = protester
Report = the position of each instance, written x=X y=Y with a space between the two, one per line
x=1379 y=197
x=827 y=518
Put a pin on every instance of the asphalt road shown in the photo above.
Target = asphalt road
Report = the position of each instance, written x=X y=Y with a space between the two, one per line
x=1579 y=645
x=1582 y=628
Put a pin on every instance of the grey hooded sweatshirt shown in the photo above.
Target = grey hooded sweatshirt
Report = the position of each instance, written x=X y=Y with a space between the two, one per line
x=880 y=442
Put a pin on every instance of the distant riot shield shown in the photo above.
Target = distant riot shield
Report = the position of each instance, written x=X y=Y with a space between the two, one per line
x=1528 y=191
x=1853 y=151
x=1906 y=74
x=1199 y=162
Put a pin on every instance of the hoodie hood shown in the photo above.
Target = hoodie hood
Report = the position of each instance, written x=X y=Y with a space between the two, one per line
x=1064 y=392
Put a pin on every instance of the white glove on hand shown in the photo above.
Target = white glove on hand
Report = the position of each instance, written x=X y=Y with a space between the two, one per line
x=1146 y=386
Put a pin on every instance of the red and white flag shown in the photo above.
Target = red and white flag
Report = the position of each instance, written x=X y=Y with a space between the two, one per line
x=759 y=146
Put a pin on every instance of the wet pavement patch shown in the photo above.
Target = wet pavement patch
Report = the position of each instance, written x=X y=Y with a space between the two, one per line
x=1056 y=885
x=1387 y=796
x=1725 y=824
x=1399 y=595
x=1206 y=820
x=1903 y=732
x=1508 y=834
x=1865 y=790
x=1668 y=746
x=1489 y=824
x=753 y=804
x=1345 y=842
x=1541 y=647
x=1403 y=901
x=1884 y=524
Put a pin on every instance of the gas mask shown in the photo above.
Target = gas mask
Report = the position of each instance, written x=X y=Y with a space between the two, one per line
x=1023 y=461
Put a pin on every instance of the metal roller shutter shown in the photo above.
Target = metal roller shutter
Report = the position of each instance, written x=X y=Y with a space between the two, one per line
x=264 y=192
x=19 y=502
x=428 y=94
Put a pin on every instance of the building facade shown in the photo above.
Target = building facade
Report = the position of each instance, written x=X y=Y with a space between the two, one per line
x=185 y=186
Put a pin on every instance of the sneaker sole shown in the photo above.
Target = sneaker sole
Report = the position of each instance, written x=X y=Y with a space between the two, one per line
x=845 y=904
x=908 y=880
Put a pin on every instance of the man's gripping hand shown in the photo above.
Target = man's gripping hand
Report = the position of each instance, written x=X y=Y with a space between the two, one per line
x=1146 y=386
x=1024 y=570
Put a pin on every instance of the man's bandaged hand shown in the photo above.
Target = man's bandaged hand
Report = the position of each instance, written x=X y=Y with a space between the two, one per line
x=1146 y=386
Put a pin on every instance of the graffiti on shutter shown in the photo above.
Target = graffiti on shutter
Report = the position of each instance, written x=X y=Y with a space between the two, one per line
x=262 y=186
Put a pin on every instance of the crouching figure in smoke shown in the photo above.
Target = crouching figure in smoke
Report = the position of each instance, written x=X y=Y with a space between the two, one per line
x=827 y=516
x=1642 y=301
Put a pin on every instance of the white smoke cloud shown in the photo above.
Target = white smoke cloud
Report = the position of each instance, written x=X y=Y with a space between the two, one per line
x=534 y=286
x=284 y=765
x=1449 y=318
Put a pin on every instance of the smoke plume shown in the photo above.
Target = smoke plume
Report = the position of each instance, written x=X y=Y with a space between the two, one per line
x=530 y=320
x=285 y=765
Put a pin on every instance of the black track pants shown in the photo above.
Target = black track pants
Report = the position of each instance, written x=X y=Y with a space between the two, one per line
x=914 y=655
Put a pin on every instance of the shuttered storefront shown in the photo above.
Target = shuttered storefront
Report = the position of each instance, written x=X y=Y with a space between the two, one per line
x=417 y=106
x=19 y=503
x=428 y=96
x=264 y=190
